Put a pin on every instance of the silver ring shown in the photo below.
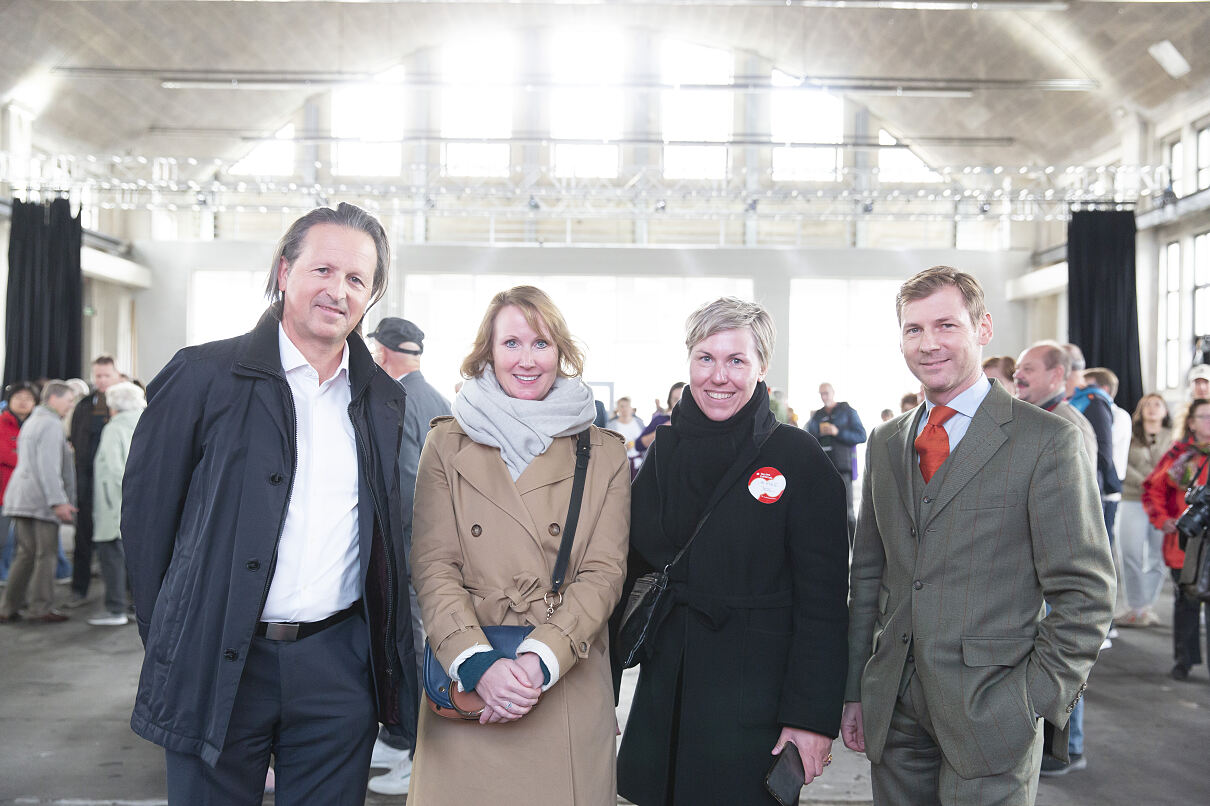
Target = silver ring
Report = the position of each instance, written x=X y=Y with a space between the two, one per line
x=508 y=706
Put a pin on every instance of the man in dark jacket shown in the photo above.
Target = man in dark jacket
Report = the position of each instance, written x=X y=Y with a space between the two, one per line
x=87 y=420
x=264 y=539
x=839 y=431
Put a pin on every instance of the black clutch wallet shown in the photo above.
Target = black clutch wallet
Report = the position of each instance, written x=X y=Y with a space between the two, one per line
x=785 y=779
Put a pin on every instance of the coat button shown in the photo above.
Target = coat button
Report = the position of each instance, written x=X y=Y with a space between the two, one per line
x=917 y=584
x=231 y=654
x=252 y=565
x=913 y=532
x=927 y=500
x=554 y=529
x=276 y=479
x=583 y=646
x=904 y=638
x=911 y=659
x=476 y=530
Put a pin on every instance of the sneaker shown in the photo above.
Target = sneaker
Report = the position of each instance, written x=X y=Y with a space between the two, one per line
x=63 y=580
x=110 y=620
x=51 y=617
x=385 y=757
x=395 y=782
x=270 y=782
x=1180 y=672
x=75 y=601
x=1113 y=632
x=1052 y=766
x=1106 y=644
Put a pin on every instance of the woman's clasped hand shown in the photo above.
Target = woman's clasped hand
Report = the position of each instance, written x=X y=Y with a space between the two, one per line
x=510 y=688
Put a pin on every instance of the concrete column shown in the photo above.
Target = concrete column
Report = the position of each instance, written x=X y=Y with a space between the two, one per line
x=755 y=113
x=772 y=290
x=642 y=115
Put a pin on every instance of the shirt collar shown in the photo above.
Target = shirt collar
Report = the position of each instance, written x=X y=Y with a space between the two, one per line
x=967 y=401
x=292 y=358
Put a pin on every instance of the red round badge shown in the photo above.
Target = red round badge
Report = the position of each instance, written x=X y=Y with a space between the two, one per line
x=767 y=485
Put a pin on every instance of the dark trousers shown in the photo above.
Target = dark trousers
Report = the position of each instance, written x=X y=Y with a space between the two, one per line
x=113 y=570
x=81 y=558
x=310 y=704
x=847 y=477
x=1186 y=640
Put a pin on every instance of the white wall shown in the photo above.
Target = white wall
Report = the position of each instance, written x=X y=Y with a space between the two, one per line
x=162 y=327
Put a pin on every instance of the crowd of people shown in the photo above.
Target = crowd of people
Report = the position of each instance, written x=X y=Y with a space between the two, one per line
x=334 y=568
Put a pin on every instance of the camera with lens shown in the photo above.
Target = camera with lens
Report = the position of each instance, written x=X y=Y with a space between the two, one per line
x=1195 y=520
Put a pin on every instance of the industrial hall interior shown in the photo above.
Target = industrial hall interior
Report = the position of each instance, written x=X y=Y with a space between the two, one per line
x=608 y=177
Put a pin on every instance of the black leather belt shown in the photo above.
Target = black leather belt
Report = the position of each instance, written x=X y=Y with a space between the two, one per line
x=296 y=631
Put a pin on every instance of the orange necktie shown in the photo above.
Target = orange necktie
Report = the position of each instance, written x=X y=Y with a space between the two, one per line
x=933 y=444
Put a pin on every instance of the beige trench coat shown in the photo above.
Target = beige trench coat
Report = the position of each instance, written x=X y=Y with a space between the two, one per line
x=483 y=549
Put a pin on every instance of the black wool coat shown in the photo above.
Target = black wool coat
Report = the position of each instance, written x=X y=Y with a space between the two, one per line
x=757 y=636
x=207 y=484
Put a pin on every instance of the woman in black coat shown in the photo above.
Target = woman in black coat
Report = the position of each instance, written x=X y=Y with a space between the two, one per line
x=753 y=652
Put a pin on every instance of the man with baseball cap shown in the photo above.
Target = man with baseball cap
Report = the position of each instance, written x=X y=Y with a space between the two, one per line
x=402 y=344
x=1199 y=381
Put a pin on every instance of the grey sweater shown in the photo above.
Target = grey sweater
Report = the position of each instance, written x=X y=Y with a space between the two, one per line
x=46 y=474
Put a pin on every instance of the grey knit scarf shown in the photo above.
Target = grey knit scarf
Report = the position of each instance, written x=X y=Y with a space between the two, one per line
x=522 y=429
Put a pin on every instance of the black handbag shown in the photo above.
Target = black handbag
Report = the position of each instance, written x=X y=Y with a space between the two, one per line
x=647 y=605
x=439 y=690
x=1195 y=575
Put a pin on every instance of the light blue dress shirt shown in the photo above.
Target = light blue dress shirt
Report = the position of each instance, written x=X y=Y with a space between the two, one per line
x=965 y=404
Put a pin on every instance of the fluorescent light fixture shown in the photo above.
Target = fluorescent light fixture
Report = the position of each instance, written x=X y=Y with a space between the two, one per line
x=1170 y=59
x=912 y=92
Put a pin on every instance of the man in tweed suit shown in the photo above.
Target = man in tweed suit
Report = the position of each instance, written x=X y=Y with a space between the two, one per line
x=975 y=508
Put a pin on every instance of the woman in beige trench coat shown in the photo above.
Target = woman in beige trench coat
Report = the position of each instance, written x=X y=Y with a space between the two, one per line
x=492 y=494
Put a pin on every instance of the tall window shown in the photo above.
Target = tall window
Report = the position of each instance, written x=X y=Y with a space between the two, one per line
x=371 y=117
x=590 y=110
x=270 y=158
x=1175 y=153
x=478 y=104
x=1203 y=158
x=696 y=114
x=804 y=116
x=901 y=164
x=1201 y=285
x=1169 y=363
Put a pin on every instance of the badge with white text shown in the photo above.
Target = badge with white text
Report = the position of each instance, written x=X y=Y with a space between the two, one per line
x=767 y=485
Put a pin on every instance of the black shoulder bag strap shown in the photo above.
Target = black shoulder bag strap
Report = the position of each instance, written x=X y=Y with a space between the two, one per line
x=554 y=596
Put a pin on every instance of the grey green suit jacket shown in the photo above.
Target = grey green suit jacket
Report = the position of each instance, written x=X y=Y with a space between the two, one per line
x=1016 y=520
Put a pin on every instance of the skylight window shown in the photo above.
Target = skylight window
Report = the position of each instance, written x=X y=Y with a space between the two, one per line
x=804 y=116
x=901 y=164
x=270 y=158
x=371 y=117
x=696 y=114
x=479 y=104
x=592 y=109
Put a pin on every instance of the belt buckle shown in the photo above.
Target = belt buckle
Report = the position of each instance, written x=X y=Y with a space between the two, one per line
x=281 y=631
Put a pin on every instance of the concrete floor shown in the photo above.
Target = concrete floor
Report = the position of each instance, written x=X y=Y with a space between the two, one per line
x=66 y=692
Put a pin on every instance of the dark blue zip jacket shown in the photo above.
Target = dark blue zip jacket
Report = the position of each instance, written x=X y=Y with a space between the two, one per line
x=205 y=493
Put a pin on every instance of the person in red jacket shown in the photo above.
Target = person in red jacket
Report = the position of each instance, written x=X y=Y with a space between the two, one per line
x=20 y=397
x=1183 y=465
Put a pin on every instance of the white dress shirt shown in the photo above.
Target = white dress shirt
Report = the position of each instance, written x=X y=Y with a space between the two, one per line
x=965 y=403
x=318 y=556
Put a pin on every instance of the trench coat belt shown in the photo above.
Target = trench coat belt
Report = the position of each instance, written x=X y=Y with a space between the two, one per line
x=715 y=610
x=520 y=597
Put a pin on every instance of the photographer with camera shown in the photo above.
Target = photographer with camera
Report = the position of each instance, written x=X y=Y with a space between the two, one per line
x=1181 y=468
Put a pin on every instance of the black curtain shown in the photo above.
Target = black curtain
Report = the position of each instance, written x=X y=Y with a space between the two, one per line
x=1102 y=305
x=44 y=323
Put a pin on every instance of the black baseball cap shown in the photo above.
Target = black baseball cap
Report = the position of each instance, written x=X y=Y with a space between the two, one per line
x=393 y=331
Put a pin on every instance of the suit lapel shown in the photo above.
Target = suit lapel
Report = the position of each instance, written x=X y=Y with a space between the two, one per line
x=980 y=443
x=903 y=455
x=483 y=469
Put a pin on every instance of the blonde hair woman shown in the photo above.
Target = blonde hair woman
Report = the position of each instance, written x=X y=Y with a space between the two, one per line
x=492 y=495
